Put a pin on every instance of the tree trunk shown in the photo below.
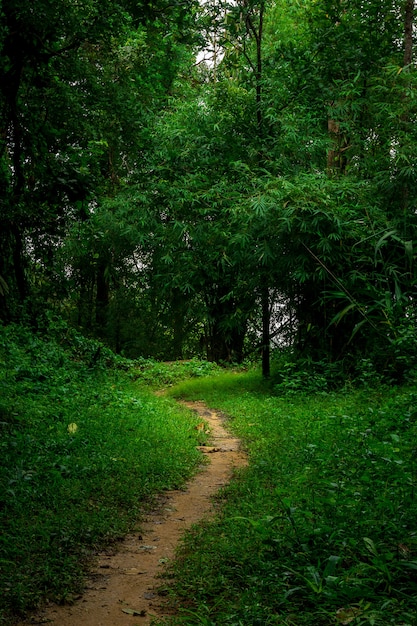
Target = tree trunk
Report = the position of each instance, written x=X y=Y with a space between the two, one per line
x=225 y=347
x=266 y=322
x=102 y=297
x=405 y=118
x=224 y=339
x=408 y=32
x=336 y=156
x=18 y=263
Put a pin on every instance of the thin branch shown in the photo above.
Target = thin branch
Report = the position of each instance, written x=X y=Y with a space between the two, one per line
x=344 y=289
x=247 y=57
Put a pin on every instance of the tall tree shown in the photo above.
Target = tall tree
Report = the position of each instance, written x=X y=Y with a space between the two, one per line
x=340 y=71
x=78 y=81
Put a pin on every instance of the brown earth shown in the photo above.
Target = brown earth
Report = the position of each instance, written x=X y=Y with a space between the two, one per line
x=122 y=589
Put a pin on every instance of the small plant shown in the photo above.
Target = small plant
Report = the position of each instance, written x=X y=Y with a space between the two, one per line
x=366 y=375
x=157 y=374
x=295 y=380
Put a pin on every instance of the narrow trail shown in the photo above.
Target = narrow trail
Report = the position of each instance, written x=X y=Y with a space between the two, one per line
x=122 y=587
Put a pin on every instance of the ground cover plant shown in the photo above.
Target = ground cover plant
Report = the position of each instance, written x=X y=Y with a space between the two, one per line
x=320 y=528
x=83 y=448
x=157 y=374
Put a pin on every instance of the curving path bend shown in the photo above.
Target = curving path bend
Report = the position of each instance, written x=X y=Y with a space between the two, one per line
x=122 y=587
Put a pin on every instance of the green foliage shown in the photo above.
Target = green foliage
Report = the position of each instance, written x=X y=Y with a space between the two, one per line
x=83 y=450
x=320 y=527
x=157 y=374
x=292 y=375
x=226 y=381
x=161 y=204
x=82 y=85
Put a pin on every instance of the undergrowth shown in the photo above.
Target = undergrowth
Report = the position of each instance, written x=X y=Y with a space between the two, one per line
x=157 y=374
x=320 y=528
x=83 y=448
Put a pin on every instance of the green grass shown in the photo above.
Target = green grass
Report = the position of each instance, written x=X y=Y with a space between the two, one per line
x=83 y=449
x=321 y=528
x=223 y=385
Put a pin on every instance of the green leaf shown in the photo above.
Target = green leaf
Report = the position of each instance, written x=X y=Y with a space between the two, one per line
x=382 y=240
x=370 y=546
x=339 y=316
x=330 y=568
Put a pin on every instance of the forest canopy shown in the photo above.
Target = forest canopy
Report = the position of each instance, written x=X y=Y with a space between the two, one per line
x=212 y=179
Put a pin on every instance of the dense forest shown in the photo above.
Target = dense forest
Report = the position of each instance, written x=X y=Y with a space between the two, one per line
x=209 y=190
x=213 y=179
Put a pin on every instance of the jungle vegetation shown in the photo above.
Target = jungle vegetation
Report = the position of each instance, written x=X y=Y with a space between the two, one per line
x=220 y=184
x=216 y=180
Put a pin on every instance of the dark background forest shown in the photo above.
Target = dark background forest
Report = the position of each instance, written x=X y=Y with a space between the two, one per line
x=213 y=179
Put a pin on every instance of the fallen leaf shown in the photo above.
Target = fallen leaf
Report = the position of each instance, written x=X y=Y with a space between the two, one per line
x=346 y=616
x=141 y=613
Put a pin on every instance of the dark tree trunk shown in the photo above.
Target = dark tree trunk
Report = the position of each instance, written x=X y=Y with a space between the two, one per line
x=266 y=322
x=19 y=264
x=225 y=347
x=224 y=339
x=11 y=127
x=102 y=296
x=179 y=314
x=408 y=32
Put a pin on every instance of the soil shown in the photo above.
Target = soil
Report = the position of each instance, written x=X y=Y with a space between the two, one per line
x=122 y=588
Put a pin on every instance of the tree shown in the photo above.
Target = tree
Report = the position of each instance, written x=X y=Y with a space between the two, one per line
x=196 y=180
x=340 y=71
x=78 y=80
x=145 y=190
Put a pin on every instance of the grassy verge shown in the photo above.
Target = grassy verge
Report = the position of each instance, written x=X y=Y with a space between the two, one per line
x=321 y=528
x=83 y=447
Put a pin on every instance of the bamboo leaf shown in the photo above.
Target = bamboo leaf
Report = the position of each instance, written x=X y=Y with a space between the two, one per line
x=370 y=546
x=382 y=240
x=357 y=327
x=339 y=316
x=398 y=292
x=135 y=612
x=408 y=246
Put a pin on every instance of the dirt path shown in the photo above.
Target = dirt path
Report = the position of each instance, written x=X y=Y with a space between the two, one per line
x=122 y=588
